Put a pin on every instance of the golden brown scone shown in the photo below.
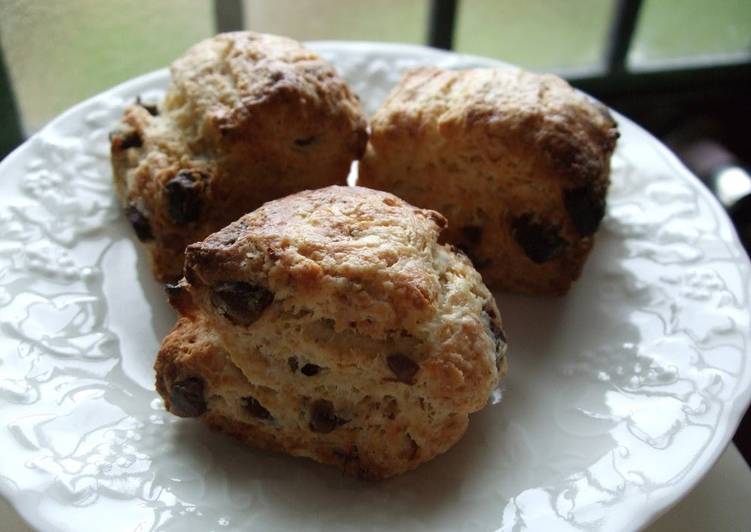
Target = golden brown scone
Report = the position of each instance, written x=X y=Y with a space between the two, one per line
x=247 y=118
x=519 y=163
x=362 y=341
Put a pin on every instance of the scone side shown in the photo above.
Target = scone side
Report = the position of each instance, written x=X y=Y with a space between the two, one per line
x=190 y=353
x=354 y=329
x=365 y=461
x=211 y=157
x=453 y=157
x=414 y=387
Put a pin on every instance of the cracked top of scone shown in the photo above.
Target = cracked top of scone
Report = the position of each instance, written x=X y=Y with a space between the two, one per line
x=355 y=254
x=225 y=79
x=360 y=274
x=511 y=106
x=247 y=118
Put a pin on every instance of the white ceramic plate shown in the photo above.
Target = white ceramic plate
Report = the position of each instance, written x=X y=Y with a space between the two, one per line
x=620 y=395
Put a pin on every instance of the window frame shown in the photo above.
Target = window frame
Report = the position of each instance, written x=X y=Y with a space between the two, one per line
x=611 y=81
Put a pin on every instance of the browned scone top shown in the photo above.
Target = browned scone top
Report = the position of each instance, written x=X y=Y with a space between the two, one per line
x=247 y=118
x=366 y=341
x=518 y=162
x=361 y=257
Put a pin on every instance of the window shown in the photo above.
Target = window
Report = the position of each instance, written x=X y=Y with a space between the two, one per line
x=58 y=53
x=361 y=20
x=692 y=31
x=538 y=34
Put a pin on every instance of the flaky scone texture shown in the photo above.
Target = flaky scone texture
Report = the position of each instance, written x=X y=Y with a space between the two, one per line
x=362 y=341
x=519 y=164
x=247 y=118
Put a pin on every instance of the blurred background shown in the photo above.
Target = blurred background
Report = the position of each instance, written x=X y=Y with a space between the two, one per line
x=58 y=53
x=680 y=68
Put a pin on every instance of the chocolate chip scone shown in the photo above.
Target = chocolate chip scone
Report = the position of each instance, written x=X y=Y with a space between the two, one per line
x=519 y=163
x=247 y=118
x=331 y=324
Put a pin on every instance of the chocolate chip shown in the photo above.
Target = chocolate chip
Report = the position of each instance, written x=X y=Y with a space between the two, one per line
x=187 y=397
x=306 y=141
x=140 y=223
x=495 y=328
x=541 y=241
x=498 y=332
x=254 y=408
x=190 y=275
x=184 y=196
x=412 y=447
x=494 y=324
x=173 y=290
x=310 y=369
x=472 y=234
x=390 y=407
x=439 y=219
x=322 y=417
x=276 y=76
x=403 y=367
x=585 y=208
x=177 y=296
x=122 y=139
x=239 y=302
x=150 y=107
x=292 y=363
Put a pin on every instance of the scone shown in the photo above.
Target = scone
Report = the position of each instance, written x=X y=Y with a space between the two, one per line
x=247 y=118
x=331 y=324
x=519 y=163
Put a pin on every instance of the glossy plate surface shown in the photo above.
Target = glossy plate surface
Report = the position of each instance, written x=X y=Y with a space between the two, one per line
x=620 y=395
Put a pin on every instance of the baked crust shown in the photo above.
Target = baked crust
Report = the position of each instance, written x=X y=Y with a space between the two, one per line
x=519 y=163
x=247 y=118
x=342 y=297
x=380 y=442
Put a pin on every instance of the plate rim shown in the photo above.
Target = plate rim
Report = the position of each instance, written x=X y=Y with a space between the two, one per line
x=658 y=503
